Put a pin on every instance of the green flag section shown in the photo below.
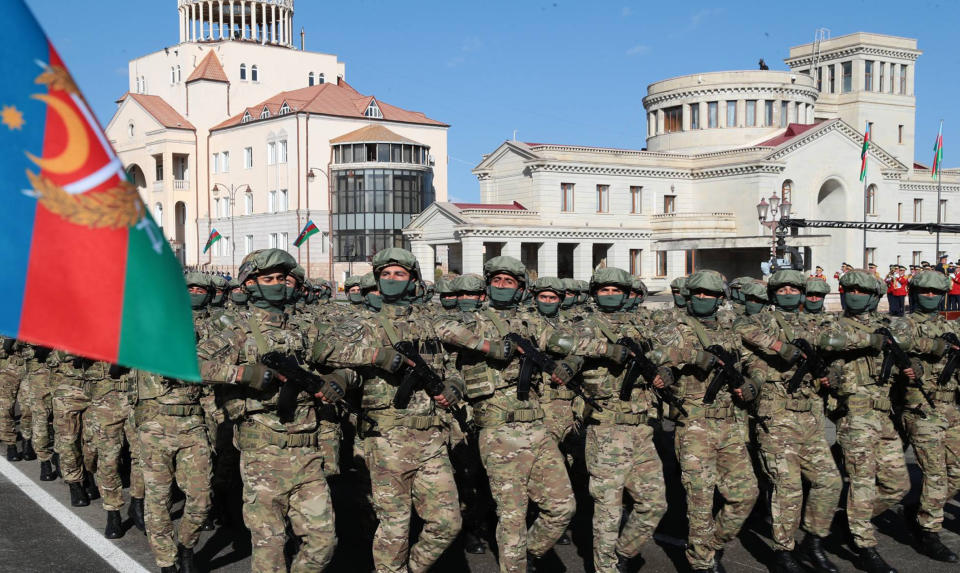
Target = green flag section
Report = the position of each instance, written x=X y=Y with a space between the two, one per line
x=937 y=154
x=156 y=325
x=213 y=238
x=863 y=153
x=309 y=230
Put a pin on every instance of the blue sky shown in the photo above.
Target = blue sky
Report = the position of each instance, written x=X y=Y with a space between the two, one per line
x=554 y=71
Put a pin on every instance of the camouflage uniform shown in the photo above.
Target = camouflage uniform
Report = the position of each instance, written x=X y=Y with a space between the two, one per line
x=280 y=463
x=13 y=389
x=42 y=373
x=793 y=445
x=620 y=452
x=405 y=452
x=710 y=443
x=519 y=455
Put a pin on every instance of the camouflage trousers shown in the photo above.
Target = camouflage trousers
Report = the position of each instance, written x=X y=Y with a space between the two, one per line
x=558 y=418
x=622 y=457
x=936 y=441
x=287 y=483
x=42 y=384
x=104 y=420
x=411 y=468
x=712 y=455
x=174 y=448
x=873 y=459
x=795 y=449
x=14 y=389
x=523 y=463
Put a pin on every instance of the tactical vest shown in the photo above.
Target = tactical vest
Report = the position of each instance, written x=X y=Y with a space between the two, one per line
x=484 y=376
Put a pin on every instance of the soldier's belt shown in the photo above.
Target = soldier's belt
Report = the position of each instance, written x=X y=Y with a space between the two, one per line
x=252 y=436
x=792 y=404
x=947 y=396
x=621 y=418
x=860 y=404
x=913 y=396
x=386 y=421
x=498 y=418
x=551 y=394
x=149 y=409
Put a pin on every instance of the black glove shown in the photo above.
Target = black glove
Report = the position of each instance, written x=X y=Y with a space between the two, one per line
x=452 y=394
x=332 y=390
x=256 y=376
x=617 y=353
x=567 y=369
x=790 y=353
x=705 y=360
x=387 y=358
x=502 y=349
x=749 y=389
x=666 y=374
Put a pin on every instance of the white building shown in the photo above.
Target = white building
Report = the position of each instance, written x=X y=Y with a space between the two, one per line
x=235 y=128
x=717 y=144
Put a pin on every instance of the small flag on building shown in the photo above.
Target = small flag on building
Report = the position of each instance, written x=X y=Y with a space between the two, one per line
x=213 y=238
x=309 y=230
x=938 y=154
x=87 y=269
x=863 y=153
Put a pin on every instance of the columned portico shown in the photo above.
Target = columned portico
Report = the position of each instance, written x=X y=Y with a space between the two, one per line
x=270 y=21
x=547 y=259
x=472 y=255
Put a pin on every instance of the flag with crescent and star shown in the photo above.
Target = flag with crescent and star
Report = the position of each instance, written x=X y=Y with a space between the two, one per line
x=88 y=270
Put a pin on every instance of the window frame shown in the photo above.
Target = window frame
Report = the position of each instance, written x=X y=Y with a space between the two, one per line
x=636 y=262
x=673 y=119
x=636 y=199
x=917 y=210
x=671 y=202
x=566 y=188
x=731 y=109
x=846 y=75
x=243 y=72
x=662 y=264
x=713 y=111
x=750 y=116
x=868 y=75
x=603 y=198
x=248 y=157
x=695 y=115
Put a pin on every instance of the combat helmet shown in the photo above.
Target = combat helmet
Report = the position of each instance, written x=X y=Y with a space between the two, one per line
x=610 y=276
x=708 y=282
x=261 y=262
x=782 y=278
x=198 y=279
x=505 y=297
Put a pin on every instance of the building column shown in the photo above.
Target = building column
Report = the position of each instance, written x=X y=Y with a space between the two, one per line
x=471 y=255
x=547 y=259
x=231 y=19
x=220 y=10
x=618 y=255
x=583 y=261
x=263 y=25
x=210 y=18
x=273 y=26
x=243 y=20
x=511 y=248
x=426 y=256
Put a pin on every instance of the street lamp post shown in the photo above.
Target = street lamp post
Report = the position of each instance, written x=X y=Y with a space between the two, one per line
x=311 y=175
x=770 y=214
x=232 y=192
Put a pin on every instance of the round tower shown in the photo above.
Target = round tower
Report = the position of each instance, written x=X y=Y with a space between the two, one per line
x=262 y=21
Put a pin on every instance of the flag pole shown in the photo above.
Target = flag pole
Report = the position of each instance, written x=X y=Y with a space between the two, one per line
x=865 y=202
x=939 y=187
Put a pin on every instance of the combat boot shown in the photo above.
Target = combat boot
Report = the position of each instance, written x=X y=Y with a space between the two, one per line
x=78 y=495
x=532 y=563
x=472 y=543
x=170 y=569
x=564 y=538
x=12 y=454
x=185 y=560
x=871 y=561
x=785 y=563
x=717 y=565
x=90 y=484
x=46 y=471
x=629 y=564
x=28 y=453
x=114 y=528
x=812 y=548
x=931 y=546
x=135 y=513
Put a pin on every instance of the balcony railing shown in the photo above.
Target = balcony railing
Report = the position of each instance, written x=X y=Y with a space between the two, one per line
x=181 y=184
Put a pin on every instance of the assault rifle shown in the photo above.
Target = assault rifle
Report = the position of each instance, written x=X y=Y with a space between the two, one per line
x=640 y=365
x=811 y=363
x=894 y=355
x=299 y=380
x=532 y=361
x=421 y=377
x=953 y=358
x=723 y=375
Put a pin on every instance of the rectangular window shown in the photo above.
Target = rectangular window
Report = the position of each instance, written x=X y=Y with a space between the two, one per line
x=248 y=203
x=900 y=133
x=690 y=262
x=899 y=212
x=868 y=75
x=903 y=79
x=282 y=151
x=273 y=240
x=943 y=211
x=603 y=198
x=695 y=116
x=247 y=157
x=751 y=113
x=833 y=78
x=673 y=119
x=271 y=153
x=566 y=197
x=216 y=207
x=215 y=162
x=917 y=210
x=731 y=114
x=225 y=162
x=661 y=263
x=282 y=243
x=636 y=262
x=272 y=202
x=669 y=203
x=636 y=199
x=282 y=202
x=883 y=77
x=917 y=257
x=847 y=70
x=712 y=114
x=784 y=113
x=768 y=113
x=820 y=79
x=247 y=245
x=872 y=200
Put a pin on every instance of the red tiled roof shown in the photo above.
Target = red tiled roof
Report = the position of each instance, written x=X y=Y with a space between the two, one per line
x=920 y=166
x=793 y=130
x=501 y=206
x=209 y=68
x=161 y=111
x=338 y=99
x=377 y=133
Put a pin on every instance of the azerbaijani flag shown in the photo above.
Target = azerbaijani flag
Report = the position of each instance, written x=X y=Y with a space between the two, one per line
x=937 y=154
x=88 y=270
x=213 y=238
x=863 y=152
x=309 y=230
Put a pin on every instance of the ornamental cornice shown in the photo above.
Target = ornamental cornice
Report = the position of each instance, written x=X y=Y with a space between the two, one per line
x=702 y=92
x=853 y=51
x=550 y=233
x=734 y=170
x=663 y=173
x=928 y=187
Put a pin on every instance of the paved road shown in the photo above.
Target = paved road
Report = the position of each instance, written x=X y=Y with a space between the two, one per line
x=32 y=540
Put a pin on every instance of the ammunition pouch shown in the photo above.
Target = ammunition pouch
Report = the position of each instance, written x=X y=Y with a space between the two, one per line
x=550 y=394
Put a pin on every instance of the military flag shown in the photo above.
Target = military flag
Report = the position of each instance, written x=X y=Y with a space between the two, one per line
x=88 y=270
x=213 y=238
x=937 y=154
x=863 y=152
x=309 y=230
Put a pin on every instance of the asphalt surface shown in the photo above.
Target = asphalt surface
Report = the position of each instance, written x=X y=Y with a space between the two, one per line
x=32 y=540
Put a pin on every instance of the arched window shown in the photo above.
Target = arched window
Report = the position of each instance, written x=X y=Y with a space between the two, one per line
x=254 y=75
x=130 y=129
x=243 y=71
x=310 y=79
x=179 y=76
x=158 y=214
x=173 y=75
x=871 y=200
x=320 y=79
x=786 y=191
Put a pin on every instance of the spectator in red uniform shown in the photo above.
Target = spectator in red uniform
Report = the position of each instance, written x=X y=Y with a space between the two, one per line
x=953 y=300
